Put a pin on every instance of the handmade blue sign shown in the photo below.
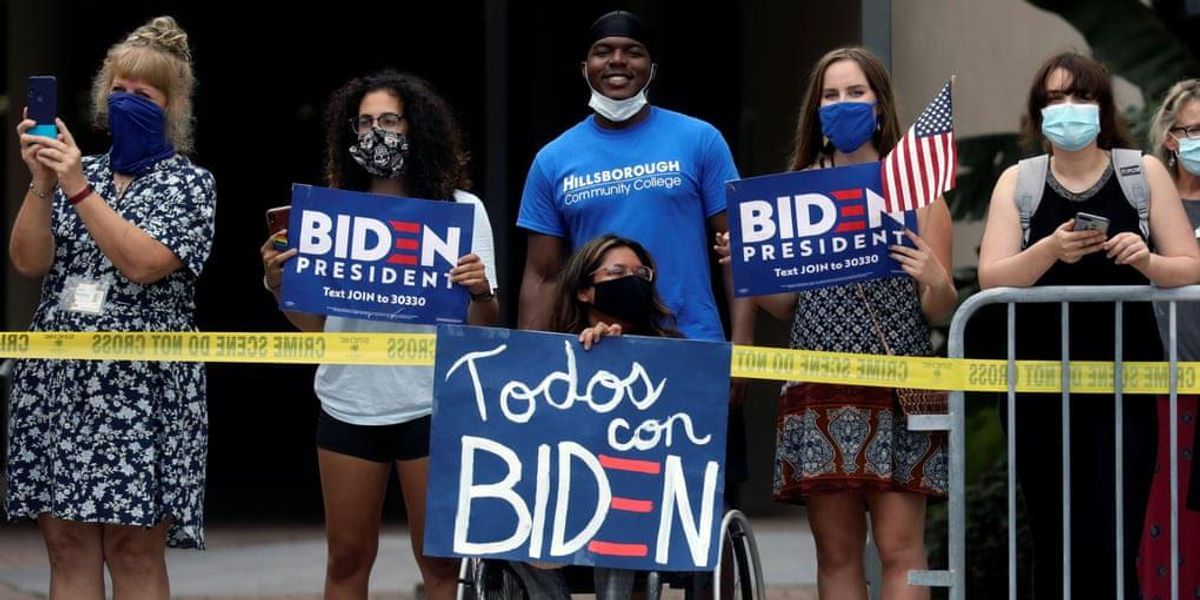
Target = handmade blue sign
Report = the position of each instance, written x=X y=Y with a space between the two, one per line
x=367 y=256
x=808 y=229
x=542 y=451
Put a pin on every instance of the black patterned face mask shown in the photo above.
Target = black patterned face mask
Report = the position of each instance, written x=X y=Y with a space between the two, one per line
x=383 y=154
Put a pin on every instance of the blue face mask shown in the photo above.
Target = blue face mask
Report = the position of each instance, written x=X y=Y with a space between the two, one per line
x=848 y=125
x=139 y=136
x=1189 y=155
x=1071 y=126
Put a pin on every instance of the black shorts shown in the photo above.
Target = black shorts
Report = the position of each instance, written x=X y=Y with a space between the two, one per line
x=378 y=443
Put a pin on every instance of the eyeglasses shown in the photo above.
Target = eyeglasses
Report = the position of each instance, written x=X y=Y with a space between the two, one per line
x=387 y=122
x=619 y=271
x=1191 y=133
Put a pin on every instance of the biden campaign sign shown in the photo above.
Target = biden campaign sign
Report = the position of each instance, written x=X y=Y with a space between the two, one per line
x=808 y=229
x=368 y=256
x=542 y=451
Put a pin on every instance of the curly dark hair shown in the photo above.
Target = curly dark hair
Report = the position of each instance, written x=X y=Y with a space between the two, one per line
x=438 y=163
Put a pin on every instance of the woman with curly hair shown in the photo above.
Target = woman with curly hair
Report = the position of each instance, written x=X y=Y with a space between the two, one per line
x=389 y=134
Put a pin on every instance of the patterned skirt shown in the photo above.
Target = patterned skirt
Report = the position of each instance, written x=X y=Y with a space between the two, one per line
x=836 y=438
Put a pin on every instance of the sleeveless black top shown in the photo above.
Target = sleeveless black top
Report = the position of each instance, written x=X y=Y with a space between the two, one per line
x=1092 y=324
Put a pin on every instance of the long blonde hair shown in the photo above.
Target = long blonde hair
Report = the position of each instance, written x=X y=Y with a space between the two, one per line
x=1167 y=117
x=158 y=54
x=810 y=143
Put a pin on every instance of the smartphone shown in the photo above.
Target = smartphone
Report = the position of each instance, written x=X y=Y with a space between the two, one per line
x=277 y=220
x=1089 y=222
x=42 y=105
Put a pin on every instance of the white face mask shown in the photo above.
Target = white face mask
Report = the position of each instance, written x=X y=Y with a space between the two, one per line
x=618 y=110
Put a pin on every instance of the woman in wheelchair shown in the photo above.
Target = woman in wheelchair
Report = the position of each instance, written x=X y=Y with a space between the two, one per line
x=605 y=289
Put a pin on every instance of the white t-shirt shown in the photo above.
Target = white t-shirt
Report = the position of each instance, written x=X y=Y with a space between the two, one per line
x=386 y=395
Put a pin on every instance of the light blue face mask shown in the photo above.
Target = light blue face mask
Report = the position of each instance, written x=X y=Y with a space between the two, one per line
x=1189 y=155
x=1071 y=126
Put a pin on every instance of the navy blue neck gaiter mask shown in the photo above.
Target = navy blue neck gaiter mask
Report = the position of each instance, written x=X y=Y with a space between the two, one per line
x=139 y=137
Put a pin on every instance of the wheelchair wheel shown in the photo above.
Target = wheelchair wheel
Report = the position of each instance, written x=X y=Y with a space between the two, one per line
x=479 y=579
x=741 y=577
x=463 y=590
x=654 y=585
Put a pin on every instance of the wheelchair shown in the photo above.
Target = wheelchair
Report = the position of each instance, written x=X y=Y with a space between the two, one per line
x=736 y=576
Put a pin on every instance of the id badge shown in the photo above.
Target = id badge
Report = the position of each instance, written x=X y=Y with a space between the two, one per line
x=83 y=295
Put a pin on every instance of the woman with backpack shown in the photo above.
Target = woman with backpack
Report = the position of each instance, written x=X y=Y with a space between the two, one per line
x=1087 y=213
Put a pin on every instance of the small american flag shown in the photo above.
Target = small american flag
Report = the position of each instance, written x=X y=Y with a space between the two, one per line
x=922 y=165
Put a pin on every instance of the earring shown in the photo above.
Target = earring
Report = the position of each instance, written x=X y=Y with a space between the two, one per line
x=1171 y=160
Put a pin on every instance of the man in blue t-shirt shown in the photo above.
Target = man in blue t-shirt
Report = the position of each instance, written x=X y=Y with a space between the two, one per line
x=637 y=171
x=644 y=173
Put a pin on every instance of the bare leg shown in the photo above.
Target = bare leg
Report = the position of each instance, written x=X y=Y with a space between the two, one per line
x=353 y=489
x=136 y=558
x=440 y=574
x=839 y=527
x=898 y=525
x=76 y=558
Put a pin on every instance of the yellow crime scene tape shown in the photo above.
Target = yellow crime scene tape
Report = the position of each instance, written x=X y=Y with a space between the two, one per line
x=751 y=362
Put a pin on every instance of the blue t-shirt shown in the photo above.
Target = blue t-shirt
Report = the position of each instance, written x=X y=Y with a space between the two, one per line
x=657 y=182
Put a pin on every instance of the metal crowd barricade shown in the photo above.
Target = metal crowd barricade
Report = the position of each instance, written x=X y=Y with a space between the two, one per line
x=954 y=577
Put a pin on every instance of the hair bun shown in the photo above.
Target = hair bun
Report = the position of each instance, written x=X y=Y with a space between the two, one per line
x=162 y=33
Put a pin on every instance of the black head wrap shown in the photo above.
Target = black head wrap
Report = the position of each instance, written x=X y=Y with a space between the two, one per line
x=620 y=23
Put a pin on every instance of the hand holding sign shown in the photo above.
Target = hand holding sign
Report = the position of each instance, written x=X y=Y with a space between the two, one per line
x=273 y=260
x=592 y=335
x=722 y=247
x=919 y=261
x=471 y=274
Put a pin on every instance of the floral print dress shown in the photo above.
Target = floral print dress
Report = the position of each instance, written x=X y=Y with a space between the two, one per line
x=118 y=442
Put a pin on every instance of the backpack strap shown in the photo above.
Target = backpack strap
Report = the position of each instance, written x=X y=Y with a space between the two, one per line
x=1127 y=163
x=1031 y=183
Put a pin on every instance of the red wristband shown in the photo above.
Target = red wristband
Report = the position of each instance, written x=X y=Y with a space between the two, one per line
x=80 y=195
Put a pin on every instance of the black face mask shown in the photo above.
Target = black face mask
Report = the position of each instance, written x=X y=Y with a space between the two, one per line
x=629 y=299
